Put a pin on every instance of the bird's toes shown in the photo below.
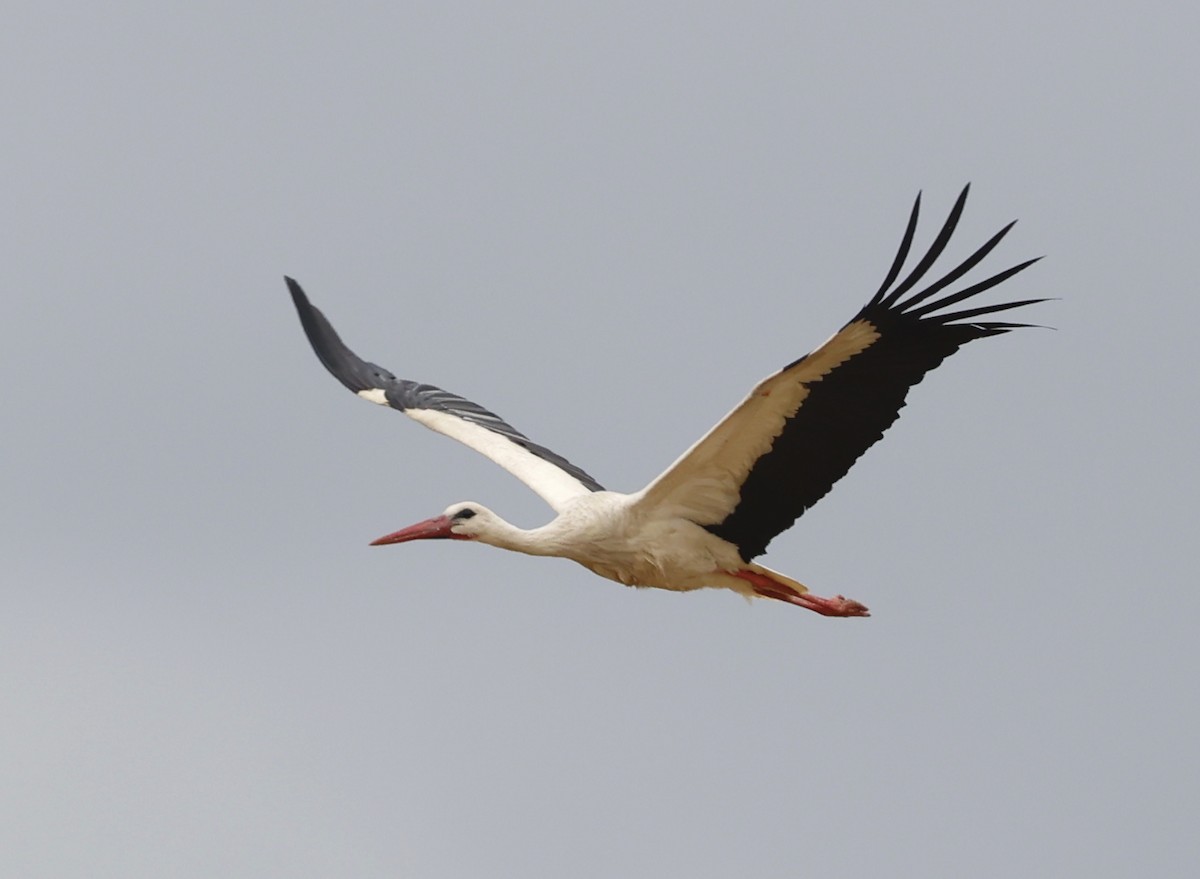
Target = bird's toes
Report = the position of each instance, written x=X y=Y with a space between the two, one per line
x=851 y=608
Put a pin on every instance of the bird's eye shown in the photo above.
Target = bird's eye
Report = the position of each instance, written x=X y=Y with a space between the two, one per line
x=464 y=513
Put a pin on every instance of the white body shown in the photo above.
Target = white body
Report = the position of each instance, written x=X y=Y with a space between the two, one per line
x=620 y=538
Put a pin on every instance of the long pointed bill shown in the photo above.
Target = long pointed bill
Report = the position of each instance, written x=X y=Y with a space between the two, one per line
x=437 y=528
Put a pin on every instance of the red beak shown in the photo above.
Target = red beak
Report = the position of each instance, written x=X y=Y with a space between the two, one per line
x=437 y=528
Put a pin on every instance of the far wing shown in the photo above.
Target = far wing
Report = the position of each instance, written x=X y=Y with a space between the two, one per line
x=553 y=477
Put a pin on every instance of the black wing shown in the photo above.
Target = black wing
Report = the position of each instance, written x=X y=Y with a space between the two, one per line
x=801 y=430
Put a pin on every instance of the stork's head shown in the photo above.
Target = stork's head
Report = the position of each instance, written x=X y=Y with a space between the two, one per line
x=465 y=521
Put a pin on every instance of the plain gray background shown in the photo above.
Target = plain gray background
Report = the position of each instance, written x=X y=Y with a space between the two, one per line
x=606 y=222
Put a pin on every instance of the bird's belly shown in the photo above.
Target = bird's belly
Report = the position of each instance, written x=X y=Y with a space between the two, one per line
x=646 y=576
x=680 y=563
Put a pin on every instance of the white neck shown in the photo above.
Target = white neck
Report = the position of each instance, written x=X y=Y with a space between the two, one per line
x=580 y=524
x=536 y=541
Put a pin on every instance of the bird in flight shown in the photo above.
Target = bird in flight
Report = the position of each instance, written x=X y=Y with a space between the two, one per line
x=707 y=516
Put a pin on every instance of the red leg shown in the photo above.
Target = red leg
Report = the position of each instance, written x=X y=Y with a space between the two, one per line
x=840 y=606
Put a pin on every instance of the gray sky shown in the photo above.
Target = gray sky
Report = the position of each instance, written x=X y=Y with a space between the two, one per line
x=605 y=222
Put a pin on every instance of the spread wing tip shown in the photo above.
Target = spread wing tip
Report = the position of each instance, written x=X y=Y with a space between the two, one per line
x=922 y=304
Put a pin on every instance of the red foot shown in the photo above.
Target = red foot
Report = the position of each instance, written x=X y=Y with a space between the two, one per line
x=839 y=606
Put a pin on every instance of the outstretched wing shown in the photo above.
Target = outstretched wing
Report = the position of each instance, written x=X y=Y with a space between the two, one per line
x=553 y=477
x=800 y=430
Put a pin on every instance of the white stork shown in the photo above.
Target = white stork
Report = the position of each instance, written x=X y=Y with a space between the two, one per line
x=716 y=508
